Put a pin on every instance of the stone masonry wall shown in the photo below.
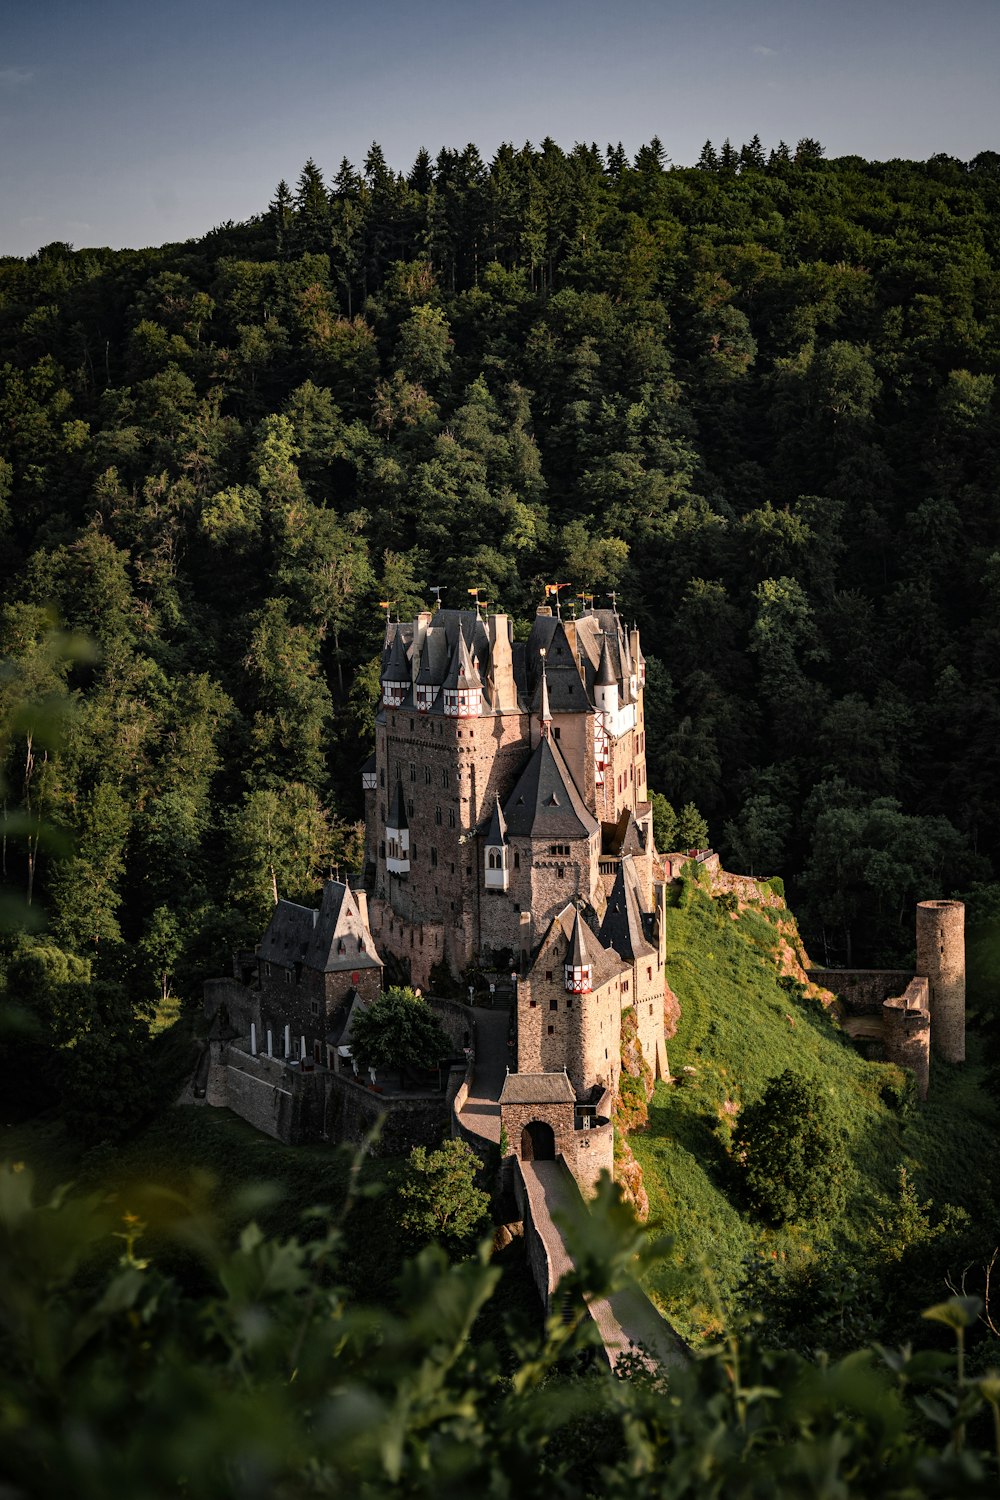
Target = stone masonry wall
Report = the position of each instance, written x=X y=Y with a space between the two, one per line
x=906 y=1032
x=557 y=1030
x=862 y=991
x=298 y=1107
x=514 y=1117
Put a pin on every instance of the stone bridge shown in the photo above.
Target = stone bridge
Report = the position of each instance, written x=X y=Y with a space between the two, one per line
x=546 y=1192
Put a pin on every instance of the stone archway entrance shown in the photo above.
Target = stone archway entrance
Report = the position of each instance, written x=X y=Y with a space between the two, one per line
x=538 y=1142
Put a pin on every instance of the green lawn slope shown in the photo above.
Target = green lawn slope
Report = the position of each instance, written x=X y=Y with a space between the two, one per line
x=741 y=1024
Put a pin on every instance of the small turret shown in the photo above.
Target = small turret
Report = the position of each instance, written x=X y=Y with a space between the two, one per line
x=497 y=870
x=544 y=711
x=396 y=673
x=606 y=683
x=463 y=687
x=397 y=835
x=579 y=969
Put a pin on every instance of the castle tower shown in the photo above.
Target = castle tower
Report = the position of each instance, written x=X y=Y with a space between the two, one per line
x=579 y=970
x=941 y=960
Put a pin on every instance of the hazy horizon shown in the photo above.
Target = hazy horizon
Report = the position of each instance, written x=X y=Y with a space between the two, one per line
x=126 y=128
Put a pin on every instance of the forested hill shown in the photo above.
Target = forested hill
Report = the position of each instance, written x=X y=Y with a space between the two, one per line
x=755 y=398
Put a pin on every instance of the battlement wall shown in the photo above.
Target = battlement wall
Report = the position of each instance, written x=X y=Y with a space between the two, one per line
x=862 y=991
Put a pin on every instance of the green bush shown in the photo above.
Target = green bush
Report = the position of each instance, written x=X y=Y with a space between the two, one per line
x=792 y=1161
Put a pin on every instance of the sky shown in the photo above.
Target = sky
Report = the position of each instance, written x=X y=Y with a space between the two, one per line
x=124 y=122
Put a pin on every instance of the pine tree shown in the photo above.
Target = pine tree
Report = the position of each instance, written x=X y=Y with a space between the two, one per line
x=421 y=177
x=708 y=161
x=312 y=228
x=617 y=161
x=281 y=216
x=752 y=156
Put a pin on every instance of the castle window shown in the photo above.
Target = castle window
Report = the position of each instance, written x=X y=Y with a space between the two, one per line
x=412 y=721
x=555 y=732
x=314 y=1007
x=381 y=849
x=569 y=1003
x=437 y=816
x=434 y=858
x=561 y=871
x=413 y=771
x=445 y=777
x=409 y=806
x=650 y=1010
x=267 y=970
x=552 y=1029
x=553 y=1005
x=451 y=817
x=548 y=973
x=381 y=775
x=624 y=984
x=649 y=971
x=532 y=1004
x=427 y=775
x=288 y=976
x=517 y=860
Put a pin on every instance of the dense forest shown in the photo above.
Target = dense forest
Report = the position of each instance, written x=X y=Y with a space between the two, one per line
x=754 y=400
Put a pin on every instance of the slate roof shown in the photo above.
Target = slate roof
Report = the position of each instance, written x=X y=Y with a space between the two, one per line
x=545 y=802
x=462 y=673
x=606 y=675
x=537 y=1088
x=623 y=928
x=623 y=837
x=566 y=693
x=604 y=962
x=496 y=833
x=332 y=939
x=577 y=954
x=397 y=665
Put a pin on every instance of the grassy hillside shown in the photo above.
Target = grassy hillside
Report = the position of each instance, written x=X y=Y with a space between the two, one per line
x=741 y=1024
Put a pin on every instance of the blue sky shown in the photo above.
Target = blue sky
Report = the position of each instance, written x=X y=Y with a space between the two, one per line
x=132 y=124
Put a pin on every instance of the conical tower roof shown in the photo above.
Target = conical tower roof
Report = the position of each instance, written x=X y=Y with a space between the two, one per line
x=605 y=672
x=578 y=954
x=496 y=834
x=397 y=666
x=463 y=674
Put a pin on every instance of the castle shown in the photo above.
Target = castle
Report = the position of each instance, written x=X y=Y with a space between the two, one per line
x=508 y=825
x=508 y=828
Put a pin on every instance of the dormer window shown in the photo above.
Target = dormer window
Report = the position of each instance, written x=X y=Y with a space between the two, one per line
x=393 y=693
x=426 y=693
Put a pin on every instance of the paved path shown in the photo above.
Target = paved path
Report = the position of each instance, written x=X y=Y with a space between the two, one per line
x=626 y=1319
x=481 y=1113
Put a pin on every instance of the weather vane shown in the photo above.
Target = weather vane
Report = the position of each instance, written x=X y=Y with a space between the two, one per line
x=437 y=589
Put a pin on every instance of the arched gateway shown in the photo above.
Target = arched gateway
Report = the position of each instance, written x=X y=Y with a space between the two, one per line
x=538 y=1142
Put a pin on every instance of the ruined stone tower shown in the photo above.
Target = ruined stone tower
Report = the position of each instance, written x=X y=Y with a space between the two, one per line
x=941 y=959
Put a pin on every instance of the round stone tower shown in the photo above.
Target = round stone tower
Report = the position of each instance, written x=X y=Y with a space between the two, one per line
x=941 y=960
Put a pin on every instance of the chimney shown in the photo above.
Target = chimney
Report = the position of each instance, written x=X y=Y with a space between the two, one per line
x=501 y=661
x=420 y=625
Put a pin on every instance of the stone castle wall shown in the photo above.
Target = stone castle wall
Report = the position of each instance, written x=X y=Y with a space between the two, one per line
x=906 y=1031
x=298 y=1107
x=862 y=991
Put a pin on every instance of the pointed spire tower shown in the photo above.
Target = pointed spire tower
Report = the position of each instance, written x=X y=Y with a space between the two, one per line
x=396 y=672
x=544 y=711
x=606 y=686
x=497 y=852
x=579 y=968
x=463 y=687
